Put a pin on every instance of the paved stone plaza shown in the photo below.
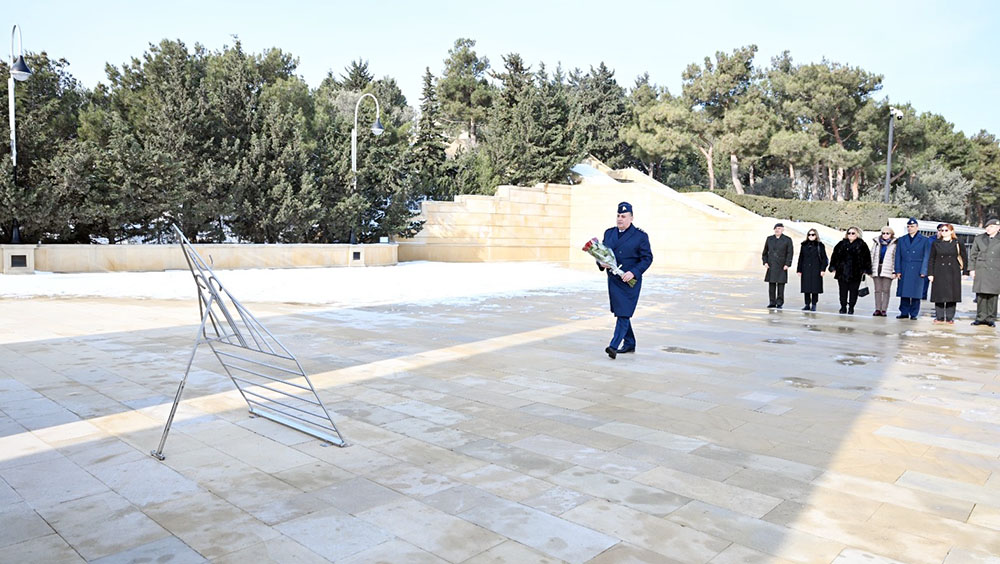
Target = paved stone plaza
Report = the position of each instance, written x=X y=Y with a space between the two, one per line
x=496 y=430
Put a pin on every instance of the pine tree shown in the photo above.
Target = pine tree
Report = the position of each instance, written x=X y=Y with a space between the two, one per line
x=598 y=113
x=550 y=135
x=276 y=194
x=464 y=93
x=356 y=76
x=426 y=156
x=529 y=142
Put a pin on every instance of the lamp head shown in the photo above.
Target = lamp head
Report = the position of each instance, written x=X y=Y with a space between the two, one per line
x=20 y=70
x=377 y=129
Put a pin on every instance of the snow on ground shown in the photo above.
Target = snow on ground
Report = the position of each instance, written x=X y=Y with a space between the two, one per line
x=405 y=282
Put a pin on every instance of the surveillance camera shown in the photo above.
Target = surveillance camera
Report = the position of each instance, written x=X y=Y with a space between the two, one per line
x=895 y=112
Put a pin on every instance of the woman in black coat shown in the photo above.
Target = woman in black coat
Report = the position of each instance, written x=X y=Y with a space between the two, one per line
x=944 y=269
x=850 y=261
x=812 y=265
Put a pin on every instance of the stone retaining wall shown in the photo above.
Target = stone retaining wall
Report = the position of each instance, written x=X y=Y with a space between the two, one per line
x=151 y=258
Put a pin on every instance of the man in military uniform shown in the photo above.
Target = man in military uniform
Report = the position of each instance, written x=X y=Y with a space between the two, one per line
x=777 y=257
x=912 y=252
x=634 y=255
x=984 y=265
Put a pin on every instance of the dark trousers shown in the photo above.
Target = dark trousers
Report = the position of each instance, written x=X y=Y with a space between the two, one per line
x=776 y=293
x=986 y=308
x=811 y=298
x=848 y=292
x=944 y=311
x=909 y=306
x=623 y=332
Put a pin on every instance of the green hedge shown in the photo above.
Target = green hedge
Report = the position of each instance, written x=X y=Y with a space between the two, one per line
x=692 y=188
x=870 y=216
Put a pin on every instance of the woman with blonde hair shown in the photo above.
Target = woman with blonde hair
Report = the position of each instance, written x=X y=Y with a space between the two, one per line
x=883 y=268
x=945 y=267
x=850 y=261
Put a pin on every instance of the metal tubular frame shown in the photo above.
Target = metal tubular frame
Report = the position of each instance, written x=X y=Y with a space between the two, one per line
x=219 y=326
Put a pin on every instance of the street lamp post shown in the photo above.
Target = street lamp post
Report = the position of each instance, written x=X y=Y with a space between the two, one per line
x=377 y=129
x=19 y=71
x=894 y=114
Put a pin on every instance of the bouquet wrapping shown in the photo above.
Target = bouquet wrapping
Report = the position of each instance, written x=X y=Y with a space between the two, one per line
x=603 y=254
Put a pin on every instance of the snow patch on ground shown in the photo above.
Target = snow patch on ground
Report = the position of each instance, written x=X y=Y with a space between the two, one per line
x=431 y=282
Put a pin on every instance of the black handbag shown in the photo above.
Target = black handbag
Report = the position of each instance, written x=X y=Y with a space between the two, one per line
x=863 y=291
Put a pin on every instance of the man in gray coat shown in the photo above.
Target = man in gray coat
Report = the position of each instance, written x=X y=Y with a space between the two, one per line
x=984 y=265
x=777 y=257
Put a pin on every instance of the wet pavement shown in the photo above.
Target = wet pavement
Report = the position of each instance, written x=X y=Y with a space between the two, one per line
x=496 y=430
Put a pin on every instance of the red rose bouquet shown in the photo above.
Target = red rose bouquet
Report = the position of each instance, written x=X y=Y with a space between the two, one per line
x=603 y=254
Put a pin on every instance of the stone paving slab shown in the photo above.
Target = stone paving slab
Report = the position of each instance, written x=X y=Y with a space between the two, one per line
x=495 y=430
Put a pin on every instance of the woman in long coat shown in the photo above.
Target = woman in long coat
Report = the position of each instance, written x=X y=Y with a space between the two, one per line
x=811 y=267
x=850 y=261
x=883 y=268
x=944 y=269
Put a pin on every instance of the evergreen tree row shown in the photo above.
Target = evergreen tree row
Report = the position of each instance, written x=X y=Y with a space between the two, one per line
x=234 y=146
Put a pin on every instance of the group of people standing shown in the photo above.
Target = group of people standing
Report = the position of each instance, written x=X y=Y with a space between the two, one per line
x=916 y=261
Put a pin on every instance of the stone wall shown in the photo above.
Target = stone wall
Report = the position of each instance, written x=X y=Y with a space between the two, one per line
x=516 y=224
x=151 y=258
x=552 y=222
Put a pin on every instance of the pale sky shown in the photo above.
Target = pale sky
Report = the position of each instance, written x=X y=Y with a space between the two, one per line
x=939 y=56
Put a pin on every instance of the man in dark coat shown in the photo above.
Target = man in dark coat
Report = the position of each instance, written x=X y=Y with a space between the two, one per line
x=777 y=257
x=634 y=255
x=984 y=265
x=912 y=252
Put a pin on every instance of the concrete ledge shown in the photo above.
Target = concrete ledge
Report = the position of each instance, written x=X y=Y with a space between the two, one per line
x=18 y=259
x=152 y=258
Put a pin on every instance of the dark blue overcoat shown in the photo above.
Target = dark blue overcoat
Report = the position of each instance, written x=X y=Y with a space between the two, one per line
x=634 y=255
x=911 y=262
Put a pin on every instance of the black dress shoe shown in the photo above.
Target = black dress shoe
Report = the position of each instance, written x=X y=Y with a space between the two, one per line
x=806 y=308
x=769 y=306
x=991 y=324
x=843 y=310
x=778 y=306
x=625 y=351
x=812 y=308
x=611 y=352
x=902 y=316
x=977 y=322
x=850 y=310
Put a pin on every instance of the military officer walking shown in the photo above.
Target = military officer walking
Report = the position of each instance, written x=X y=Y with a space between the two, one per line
x=777 y=257
x=634 y=255
x=984 y=265
x=912 y=252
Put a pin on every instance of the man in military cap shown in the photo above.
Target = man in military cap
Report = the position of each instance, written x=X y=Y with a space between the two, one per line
x=984 y=265
x=634 y=255
x=912 y=252
x=777 y=257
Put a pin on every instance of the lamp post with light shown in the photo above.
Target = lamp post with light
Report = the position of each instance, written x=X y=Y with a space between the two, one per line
x=894 y=114
x=377 y=130
x=20 y=72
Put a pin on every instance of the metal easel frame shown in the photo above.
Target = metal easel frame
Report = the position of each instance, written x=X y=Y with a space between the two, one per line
x=267 y=374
